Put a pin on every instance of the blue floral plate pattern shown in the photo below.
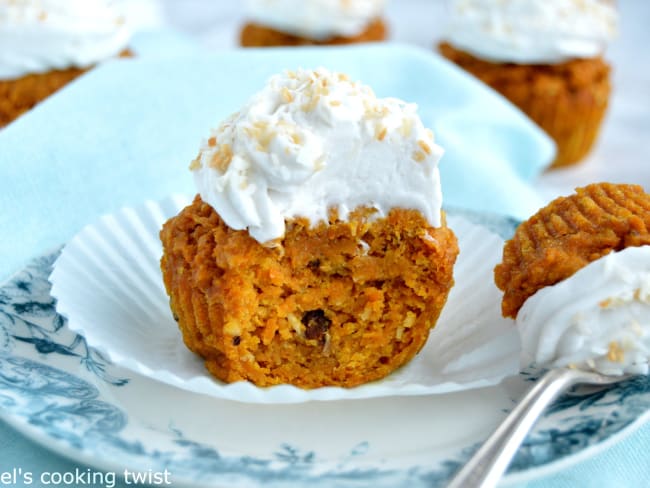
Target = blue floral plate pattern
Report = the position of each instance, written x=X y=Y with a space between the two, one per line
x=68 y=397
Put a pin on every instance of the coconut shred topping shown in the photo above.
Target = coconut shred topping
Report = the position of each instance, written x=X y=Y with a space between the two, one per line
x=311 y=141
x=598 y=319
x=43 y=35
x=532 y=31
x=316 y=19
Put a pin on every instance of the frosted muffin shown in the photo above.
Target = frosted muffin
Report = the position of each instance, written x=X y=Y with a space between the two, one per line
x=316 y=252
x=317 y=22
x=576 y=276
x=545 y=57
x=45 y=44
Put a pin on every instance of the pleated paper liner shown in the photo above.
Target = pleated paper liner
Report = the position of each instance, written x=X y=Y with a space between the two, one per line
x=107 y=283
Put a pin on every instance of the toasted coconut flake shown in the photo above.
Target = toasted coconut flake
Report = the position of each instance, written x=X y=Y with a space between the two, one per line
x=286 y=94
x=407 y=127
x=424 y=146
x=419 y=156
x=311 y=105
x=615 y=352
x=221 y=158
x=196 y=163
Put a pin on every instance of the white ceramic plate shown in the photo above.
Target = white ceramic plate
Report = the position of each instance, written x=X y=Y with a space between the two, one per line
x=67 y=396
x=107 y=283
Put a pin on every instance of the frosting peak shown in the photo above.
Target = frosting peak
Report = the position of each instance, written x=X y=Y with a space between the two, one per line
x=532 y=31
x=315 y=140
x=316 y=19
x=42 y=35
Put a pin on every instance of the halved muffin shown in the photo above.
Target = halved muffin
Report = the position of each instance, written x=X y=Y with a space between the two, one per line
x=316 y=253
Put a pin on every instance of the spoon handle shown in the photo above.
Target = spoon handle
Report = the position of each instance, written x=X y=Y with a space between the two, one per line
x=489 y=462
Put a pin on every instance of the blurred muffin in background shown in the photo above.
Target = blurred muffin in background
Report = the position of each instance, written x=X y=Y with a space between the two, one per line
x=315 y=22
x=45 y=44
x=545 y=56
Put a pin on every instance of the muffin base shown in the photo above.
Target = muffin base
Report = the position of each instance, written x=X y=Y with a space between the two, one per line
x=20 y=95
x=255 y=35
x=340 y=304
x=567 y=100
x=568 y=234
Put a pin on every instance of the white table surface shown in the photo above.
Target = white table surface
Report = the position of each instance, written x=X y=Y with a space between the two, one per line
x=620 y=156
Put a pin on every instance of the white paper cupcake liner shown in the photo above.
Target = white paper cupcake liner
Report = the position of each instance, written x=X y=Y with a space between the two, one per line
x=108 y=284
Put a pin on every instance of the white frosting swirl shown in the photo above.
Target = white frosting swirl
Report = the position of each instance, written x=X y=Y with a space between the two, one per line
x=597 y=319
x=532 y=31
x=313 y=140
x=42 y=35
x=316 y=19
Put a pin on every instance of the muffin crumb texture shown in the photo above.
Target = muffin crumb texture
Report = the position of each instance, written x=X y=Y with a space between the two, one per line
x=568 y=234
x=338 y=303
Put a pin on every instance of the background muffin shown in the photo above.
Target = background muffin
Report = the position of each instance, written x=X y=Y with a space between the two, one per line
x=576 y=276
x=300 y=22
x=44 y=44
x=295 y=264
x=545 y=57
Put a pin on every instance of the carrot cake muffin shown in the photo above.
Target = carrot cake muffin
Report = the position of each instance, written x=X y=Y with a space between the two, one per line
x=316 y=252
x=576 y=276
x=318 y=22
x=545 y=56
x=45 y=44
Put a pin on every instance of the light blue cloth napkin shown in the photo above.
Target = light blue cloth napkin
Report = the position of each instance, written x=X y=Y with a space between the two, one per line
x=126 y=131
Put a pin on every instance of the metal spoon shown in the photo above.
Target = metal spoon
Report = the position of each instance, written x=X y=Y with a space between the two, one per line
x=490 y=461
